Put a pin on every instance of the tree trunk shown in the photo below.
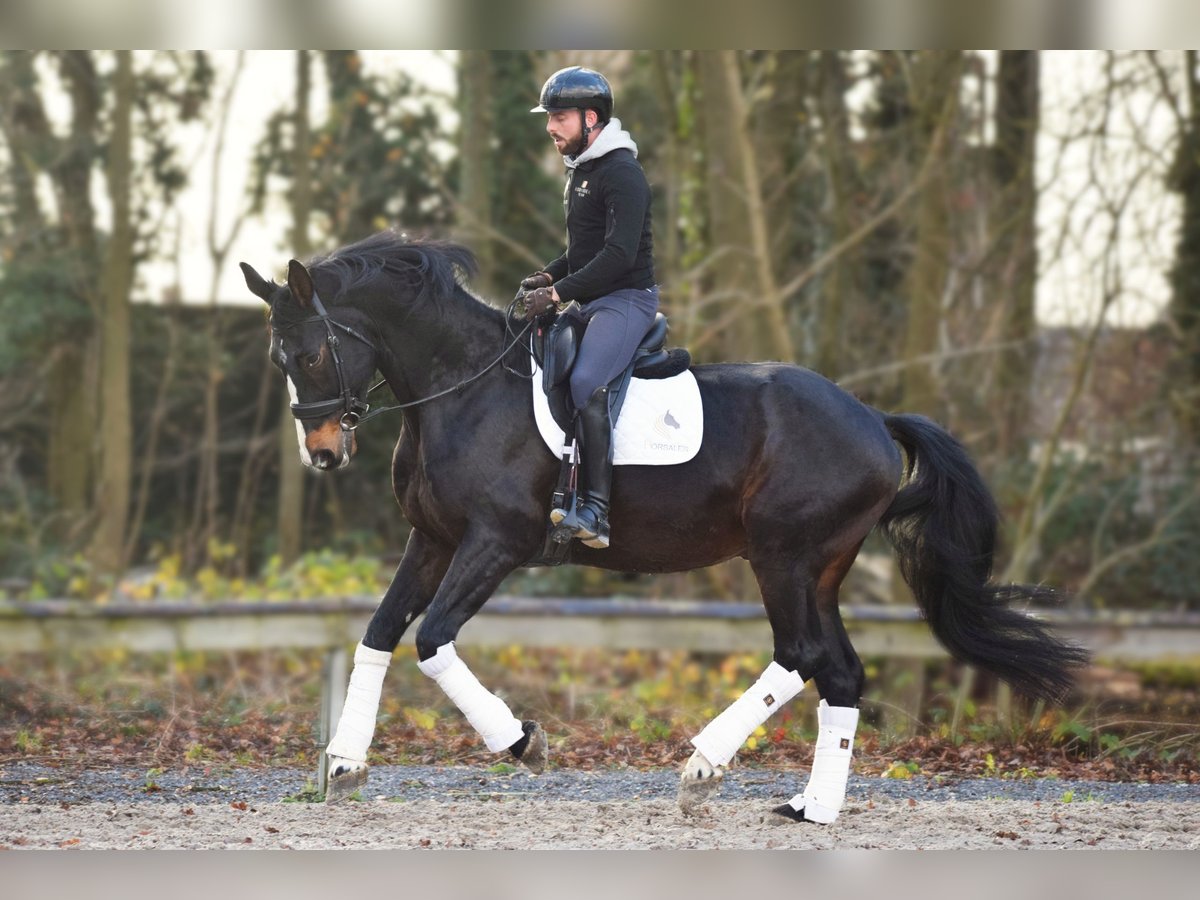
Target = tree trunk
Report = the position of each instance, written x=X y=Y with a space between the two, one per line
x=34 y=151
x=108 y=545
x=475 y=154
x=934 y=91
x=839 y=169
x=291 y=472
x=667 y=266
x=1185 y=276
x=935 y=85
x=1013 y=227
x=208 y=495
x=744 y=278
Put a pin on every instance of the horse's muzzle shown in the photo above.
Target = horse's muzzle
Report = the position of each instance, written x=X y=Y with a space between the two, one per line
x=331 y=446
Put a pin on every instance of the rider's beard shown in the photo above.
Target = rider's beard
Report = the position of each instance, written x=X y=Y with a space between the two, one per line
x=571 y=148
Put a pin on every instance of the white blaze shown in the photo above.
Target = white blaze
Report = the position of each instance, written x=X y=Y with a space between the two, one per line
x=304 y=454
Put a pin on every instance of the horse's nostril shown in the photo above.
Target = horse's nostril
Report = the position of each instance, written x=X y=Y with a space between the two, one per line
x=324 y=459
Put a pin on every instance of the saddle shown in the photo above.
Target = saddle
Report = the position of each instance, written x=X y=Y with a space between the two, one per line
x=556 y=346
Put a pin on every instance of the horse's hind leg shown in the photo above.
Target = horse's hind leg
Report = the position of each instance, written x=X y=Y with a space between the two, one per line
x=411 y=590
x=840 y=683
x=788 y=593
x=478 y=567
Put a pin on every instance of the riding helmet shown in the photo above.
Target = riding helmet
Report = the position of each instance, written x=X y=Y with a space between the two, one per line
x=576 y=87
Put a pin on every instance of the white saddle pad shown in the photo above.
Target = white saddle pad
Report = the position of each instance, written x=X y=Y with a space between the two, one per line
x=661 y=423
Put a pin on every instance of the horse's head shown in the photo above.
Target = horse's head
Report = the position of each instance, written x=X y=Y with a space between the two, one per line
x=327 y=359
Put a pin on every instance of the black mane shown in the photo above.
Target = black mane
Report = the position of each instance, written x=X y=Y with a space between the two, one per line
x=431 y=267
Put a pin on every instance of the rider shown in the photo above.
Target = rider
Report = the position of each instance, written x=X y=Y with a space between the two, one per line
x=608 y=268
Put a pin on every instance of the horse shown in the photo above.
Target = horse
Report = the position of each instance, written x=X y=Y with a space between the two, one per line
x=792 y=475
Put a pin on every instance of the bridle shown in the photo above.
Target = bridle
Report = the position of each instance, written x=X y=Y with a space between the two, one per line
x=354 y=410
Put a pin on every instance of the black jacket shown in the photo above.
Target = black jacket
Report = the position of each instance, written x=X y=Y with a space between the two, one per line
x=609 y=245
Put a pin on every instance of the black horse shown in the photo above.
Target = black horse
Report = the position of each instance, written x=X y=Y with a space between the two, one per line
x=793 y=474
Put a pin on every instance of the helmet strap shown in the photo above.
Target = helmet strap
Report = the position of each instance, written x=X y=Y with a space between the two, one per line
x=586 y=128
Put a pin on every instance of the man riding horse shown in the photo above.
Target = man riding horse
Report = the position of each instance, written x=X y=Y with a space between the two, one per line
x=608 y=268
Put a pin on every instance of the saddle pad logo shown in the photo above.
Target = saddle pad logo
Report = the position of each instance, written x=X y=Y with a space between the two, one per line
x=664 y=423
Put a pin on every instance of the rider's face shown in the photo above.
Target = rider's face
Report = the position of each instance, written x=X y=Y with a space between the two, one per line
x=566 y=129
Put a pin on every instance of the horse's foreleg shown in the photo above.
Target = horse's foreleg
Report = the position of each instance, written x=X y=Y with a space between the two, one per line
x=411 y=590
x=476 y=571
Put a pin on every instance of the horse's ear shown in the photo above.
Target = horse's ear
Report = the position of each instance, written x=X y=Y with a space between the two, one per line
x=258 y=285
x=300 y=283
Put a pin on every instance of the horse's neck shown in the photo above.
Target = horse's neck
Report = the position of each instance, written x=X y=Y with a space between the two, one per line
x=432 y=350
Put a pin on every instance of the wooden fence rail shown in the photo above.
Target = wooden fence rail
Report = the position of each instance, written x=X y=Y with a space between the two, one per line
x=333 y=626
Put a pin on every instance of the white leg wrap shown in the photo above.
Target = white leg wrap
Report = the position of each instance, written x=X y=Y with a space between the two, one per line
x=357 y=724
x=826 y=790
x=727 y=732
x=487 y=713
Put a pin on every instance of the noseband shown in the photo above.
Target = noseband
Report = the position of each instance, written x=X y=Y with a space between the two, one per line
x=353 y=409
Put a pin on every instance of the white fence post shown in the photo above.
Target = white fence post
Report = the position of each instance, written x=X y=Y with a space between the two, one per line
x=333 y=697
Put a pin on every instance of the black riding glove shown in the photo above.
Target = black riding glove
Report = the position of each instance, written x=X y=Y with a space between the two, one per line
x=536 y=280
x=539 y=302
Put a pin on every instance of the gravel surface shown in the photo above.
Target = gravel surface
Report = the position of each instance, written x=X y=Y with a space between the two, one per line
x=423 y=807
x=26 y=782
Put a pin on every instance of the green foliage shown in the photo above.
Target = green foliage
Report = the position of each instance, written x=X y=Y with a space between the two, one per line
x=307 y=794
x=40 y=307
x=150 y=783
x=525 y=197
x=375 y=162
x=318 y=574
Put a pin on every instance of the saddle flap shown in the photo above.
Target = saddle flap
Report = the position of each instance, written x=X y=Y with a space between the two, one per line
x=560 y=346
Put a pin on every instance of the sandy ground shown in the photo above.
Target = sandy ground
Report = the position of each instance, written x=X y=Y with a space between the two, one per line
x=645 y=824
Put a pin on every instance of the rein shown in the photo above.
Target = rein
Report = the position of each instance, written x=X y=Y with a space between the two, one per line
x=356 y=411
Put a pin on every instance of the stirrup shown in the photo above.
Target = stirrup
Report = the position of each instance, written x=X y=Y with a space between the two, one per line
x=599 y=538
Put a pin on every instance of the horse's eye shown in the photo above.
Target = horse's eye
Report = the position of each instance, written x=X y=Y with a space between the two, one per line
x=310 y=360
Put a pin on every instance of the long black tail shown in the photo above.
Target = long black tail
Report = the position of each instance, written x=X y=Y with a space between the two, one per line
x=943 y=527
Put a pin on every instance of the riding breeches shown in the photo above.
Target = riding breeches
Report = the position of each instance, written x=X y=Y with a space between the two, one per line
x=616 y=324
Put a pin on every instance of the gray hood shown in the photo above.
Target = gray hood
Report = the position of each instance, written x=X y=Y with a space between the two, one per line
x=613 y=137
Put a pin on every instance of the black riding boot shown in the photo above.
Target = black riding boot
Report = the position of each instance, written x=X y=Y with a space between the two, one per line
x=596 y=449
x=593 y=432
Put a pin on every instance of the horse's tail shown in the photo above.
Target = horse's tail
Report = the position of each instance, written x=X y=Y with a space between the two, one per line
x=943 y=527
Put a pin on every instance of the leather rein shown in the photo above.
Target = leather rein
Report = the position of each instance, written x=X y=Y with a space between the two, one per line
x=355 y=411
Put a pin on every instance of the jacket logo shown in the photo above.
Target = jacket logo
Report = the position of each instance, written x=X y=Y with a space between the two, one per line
x=582 y=189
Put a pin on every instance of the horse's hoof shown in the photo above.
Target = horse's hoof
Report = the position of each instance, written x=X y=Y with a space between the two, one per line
x=817 y=815
x=534 y=749
x=698 y=783
x=345 y=777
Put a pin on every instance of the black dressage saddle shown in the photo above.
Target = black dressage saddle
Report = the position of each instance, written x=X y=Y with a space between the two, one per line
x=556 y=346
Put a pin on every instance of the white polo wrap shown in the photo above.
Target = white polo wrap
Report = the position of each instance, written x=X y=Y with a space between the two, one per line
x=727 y=732
x=356 y=727
x=825 y=792
x=487 y=713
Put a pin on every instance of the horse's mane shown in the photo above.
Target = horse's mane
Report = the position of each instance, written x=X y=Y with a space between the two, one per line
x=431 y=268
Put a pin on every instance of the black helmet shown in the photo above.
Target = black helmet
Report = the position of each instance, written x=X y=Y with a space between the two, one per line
x=577 y=88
